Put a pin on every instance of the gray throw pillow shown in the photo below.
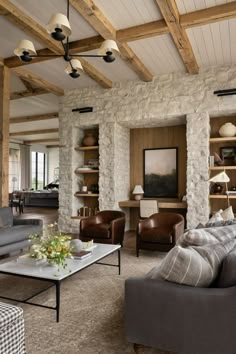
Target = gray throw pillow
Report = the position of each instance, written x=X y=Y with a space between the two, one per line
x=193 y=265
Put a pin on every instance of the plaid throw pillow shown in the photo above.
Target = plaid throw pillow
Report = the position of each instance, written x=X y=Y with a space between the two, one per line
x=194 y=265
x=200 y=237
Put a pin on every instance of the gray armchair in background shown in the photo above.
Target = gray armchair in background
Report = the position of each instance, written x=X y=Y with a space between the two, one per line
x=180 y=318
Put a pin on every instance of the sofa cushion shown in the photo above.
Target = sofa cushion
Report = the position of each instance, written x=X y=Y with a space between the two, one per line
x=157 y=234
x=17 y=233
x=227 y=273
x=6 y=217
x=98 y=231
x=193 y=265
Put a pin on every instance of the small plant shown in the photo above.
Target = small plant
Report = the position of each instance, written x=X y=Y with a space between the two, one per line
x=53 y=245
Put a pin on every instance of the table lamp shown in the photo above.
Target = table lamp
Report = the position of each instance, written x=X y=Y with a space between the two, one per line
x=138 y=192
x=222 y=177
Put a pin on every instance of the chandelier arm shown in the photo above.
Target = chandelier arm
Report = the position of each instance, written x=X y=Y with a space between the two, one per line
x=89 y=55
x=46 y=56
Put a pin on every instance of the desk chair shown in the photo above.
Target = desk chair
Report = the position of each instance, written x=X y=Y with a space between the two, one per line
x=148 y=207
x=17 y=200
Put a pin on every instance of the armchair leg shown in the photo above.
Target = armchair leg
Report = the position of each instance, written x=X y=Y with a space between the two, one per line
x=138 y=348
x=137 y=252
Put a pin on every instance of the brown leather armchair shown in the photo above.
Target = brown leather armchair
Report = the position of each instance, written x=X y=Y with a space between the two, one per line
x=107 y=226
x=159 y=232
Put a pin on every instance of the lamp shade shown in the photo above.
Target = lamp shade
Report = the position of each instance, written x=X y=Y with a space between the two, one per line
x=59 y=21
x=73 y=68
x=25 y=46
x=221 y=177
x=108 y=46
x=138 y=190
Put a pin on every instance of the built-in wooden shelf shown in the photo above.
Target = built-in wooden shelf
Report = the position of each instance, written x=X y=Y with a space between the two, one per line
x=86 y=148
x=86 y=195
x=222 y=168
x=86 y=171
x=221 y=196
x=219 y=140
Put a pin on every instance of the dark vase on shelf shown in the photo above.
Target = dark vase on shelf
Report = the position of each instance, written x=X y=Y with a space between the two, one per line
x=89 y=139
x=216 y=188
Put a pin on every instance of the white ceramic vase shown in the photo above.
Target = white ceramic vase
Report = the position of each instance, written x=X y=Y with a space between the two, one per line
x=227 y=130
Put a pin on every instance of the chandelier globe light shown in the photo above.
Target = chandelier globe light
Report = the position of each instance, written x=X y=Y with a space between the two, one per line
x=60 y=30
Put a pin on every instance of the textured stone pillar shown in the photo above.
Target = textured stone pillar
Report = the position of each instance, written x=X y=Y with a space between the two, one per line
x=114 y=165
x=198 y=130
x=69 y=160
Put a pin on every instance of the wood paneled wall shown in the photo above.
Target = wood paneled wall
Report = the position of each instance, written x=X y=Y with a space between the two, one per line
x=163 y=137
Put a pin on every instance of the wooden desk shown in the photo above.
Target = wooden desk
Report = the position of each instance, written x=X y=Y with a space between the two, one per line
x=165 y=205
x=161 y=204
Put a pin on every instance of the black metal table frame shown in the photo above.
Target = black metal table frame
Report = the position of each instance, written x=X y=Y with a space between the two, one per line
x=57 y=283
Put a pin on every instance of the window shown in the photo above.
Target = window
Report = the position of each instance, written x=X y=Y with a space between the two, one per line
x=38 y=171
x=14 y=170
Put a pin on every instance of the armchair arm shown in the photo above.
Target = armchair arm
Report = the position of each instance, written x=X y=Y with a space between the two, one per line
x=144 y=224
x=178 y=230
x=118 y=229
x=91 y=220
x=27 y=222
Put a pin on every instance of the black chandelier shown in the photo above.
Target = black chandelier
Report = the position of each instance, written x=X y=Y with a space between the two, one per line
x=60 y=30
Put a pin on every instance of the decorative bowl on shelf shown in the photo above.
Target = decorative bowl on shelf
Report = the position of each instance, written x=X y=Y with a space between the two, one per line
x=227 y=130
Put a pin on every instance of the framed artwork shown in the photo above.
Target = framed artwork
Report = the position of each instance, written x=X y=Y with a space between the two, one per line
x=228 y=152
x=161 y=172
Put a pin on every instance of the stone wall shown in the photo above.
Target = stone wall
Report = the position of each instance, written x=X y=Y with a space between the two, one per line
x=167 y=100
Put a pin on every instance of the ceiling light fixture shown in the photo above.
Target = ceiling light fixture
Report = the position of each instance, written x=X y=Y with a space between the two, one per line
x=59 y=28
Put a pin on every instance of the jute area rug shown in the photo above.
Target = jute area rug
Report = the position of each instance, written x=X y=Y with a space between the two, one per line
x=92 y=308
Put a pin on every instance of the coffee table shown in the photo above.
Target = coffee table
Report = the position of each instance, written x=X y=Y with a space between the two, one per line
x=51 y=274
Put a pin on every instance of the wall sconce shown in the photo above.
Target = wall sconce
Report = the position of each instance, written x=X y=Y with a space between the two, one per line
x=138 y=192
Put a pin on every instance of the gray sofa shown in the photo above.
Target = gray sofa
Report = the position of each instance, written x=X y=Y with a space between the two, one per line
x=14 y=233
x=181 y=318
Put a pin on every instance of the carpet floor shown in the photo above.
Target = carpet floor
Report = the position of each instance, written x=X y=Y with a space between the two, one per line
x=92 y=315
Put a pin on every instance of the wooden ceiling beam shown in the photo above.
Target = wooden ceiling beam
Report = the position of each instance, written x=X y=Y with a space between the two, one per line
x=171 y=15
x=102 y=25
x=209 y=15
x=131 y=58
x=38 y=141
x=34 y=132
x=38 y=81
x=146 y=30
x=27 y=85
x=28 y=25
x=24 y=94
x=95 y=18
x=26 y=119
x=95 y=74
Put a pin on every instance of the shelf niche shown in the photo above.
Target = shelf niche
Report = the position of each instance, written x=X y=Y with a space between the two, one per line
x=219 y=201
x=89 y=177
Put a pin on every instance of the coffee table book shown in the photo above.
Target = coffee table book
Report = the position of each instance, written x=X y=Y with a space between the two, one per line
x=82 y=254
